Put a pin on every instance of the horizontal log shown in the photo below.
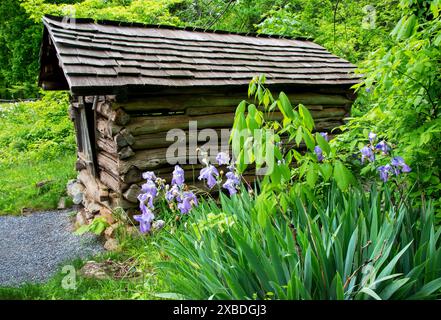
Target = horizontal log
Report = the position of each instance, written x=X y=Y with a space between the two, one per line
x=148 y=125
x=152 y=159
x=145 y=125
x=159 y=139
x=181 y=102
x=197 y=111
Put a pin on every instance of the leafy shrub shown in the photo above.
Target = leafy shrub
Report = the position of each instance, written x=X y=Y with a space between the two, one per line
x=35 y=130
x=345 y=246
x=400 y=97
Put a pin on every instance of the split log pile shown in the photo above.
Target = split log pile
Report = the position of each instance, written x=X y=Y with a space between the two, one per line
x=131 y=137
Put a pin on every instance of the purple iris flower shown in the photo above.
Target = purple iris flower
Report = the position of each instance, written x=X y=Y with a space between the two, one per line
x=398 y=162
x=178 y=176
x=209 y=173
x=188 y=201
x=405 y=168
x=173 y=193
x=372 y=137
x=382 y=146
x=150 y=188
x=367 y=153
x=149 y=175
x=319 y=153
x=222 y=158
x=145 y=198
x=145 y=220
x=232 y=182
x=325 y=135
x=384 y=172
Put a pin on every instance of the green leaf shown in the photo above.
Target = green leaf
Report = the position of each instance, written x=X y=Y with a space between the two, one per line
x=323 y=144
x=390 y=266
x=342 y=175
x=299 y=136
x=427 y=289
x=311 y=175
x=371 y=293
x=82 y=230
x=285 y=106
x=307 y=120
x=309 y=140
x=388 y=291
x=350 y=254
x=339 y=287
x=325 y=170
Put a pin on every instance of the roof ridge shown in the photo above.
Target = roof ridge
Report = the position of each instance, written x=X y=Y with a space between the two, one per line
x=170 y=27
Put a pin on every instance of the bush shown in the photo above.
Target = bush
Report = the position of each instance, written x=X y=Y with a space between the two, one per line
x=400 y=96
x=345 y=246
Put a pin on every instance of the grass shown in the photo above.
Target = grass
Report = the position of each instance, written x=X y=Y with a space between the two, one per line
x=18 y=184
x=37 y=145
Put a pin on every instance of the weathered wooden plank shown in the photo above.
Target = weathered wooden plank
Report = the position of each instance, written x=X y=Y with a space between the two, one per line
x=148 y=125
x=144 y=125
x=110 y=180
x=183 y=101
x=109 y=162
x=158 y=140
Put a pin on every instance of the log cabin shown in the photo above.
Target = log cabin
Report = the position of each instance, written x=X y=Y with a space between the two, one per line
x=131 y=83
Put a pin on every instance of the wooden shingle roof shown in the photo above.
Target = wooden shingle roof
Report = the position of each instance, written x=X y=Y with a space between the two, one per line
x=105 y=56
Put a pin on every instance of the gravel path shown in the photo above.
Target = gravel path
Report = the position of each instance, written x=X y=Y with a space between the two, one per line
x=33 y=247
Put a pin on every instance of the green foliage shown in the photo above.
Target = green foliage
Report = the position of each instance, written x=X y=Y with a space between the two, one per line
x=400 y=97
x=97 y=226
x=19 y=46
x=145 y=11
x=259 y=139
x=347 y=28
x=39 y=130
x=37 y=144
x=344 y=246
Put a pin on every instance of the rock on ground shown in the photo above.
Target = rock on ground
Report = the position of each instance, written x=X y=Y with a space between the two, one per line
x=34 y=247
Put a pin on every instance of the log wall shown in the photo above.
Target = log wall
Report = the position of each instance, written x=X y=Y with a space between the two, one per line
x=131 y=136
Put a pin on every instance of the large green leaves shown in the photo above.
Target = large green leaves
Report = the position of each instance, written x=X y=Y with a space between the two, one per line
x=343 y=176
